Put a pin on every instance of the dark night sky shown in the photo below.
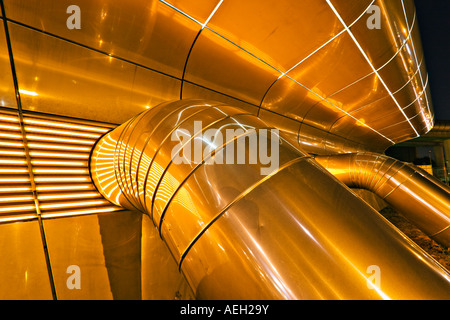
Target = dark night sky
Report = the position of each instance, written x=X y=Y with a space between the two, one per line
x=434 y=24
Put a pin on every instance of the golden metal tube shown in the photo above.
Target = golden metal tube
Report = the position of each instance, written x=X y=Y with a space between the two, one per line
x=420 y=197
x=294 y=232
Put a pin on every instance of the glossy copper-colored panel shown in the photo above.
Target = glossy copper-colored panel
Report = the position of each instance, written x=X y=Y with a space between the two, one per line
x=241 y=53
x=316 y=141
x=333 y=67
x=218 y=223
x=7 y=91
x=408 y=96
x=402 y=128
x=351 y=10
x=270 y=31
x=381 y=44
x=287 y=126
x=335 y=144
x=354 y=128
x=121 y=235
x=322 y=115
x=192 y=91
x=23 y=267
x=360 y=93
x=105 y=248
x=430 y=117
x=399 y=70
x=219 y=64
x=374 y=112
x=78 y=241
x=311 y=139
x=161 y=279
x=286 y=92
x=59 y=77
x=151 y=88
x=146 y=32
x=200 y=10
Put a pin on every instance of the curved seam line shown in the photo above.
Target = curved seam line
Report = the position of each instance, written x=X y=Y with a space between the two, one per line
x=384 y=65
x=397 y=91
x=435 y=234
x=155 y=193
x=369 y=184
x=390 y=192
x=186 y=62
x=119 y=169
x=329 y=40
x=264 y=96
x=212 y=154
x=147 y=140
x=381 y=176
x=414 y=50
x=369 y=173
x=142 y=114
x=134 y=186
x=116 y=162
x=387 y=180
x=233 y=202
x=159 y=148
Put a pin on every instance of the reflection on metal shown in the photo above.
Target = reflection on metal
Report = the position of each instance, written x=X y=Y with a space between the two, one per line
x=420 y=197
x=345 y=87
x=291 y=234
x=335 y=89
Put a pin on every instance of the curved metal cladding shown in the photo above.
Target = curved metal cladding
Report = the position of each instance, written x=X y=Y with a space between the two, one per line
x=420 y=197
x=338 y=75
x=255 y=229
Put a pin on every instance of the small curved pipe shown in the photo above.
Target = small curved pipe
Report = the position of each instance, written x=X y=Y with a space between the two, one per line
x=420 y=197
x=239 y=232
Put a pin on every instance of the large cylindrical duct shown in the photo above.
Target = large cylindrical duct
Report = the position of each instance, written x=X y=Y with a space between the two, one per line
x=246 y=215
x=420 y=197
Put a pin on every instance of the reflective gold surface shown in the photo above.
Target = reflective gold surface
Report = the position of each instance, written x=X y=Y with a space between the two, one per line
x=316 y=62
x=23 y=268
x=420 y=197
x=160 y=278
x=139 y=31
x=62 y=77
x=7 y=96
x=77 y=241
x=79 y=227
x=237 y=234
x=311 y=68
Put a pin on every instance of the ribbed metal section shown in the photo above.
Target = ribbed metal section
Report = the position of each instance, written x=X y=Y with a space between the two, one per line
x=59 y=150
x=420 y=197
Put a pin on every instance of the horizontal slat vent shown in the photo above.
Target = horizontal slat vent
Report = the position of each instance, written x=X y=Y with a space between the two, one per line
x=59 y=150
x=16 y=198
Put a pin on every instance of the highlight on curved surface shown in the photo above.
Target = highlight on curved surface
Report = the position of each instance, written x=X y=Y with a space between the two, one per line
x=342 y=85
x=420 y=197
x=293 y=233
